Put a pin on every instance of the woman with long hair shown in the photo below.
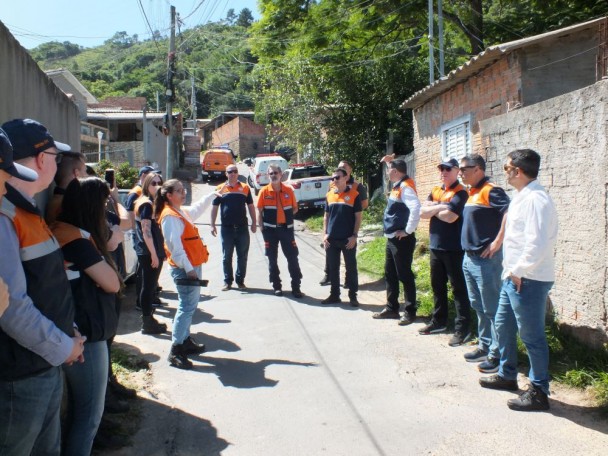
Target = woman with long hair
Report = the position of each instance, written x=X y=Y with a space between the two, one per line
x=186 y=252
x=82 y=231
x=150 y=252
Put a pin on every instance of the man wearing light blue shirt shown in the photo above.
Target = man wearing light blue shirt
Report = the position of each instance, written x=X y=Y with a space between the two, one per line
x=528 y=275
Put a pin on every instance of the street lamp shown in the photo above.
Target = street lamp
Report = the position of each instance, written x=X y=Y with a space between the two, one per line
x=100 y=136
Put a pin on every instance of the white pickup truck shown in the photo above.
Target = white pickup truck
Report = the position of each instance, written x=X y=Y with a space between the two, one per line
x=310 y=184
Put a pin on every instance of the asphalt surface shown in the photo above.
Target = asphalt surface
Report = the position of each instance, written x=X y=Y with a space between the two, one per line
x=293 y=377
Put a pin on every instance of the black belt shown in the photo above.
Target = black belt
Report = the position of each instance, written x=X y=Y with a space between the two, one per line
x=474 y=253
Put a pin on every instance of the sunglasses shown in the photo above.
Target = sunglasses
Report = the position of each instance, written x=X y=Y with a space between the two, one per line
x=232 y=171
x=272 y=173
x=155 y=184
x=444 y=168
x=335 y=178
x=464 y=168
x=58 y=156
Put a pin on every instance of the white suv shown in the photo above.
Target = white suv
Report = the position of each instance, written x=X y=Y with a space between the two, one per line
x=257 y=170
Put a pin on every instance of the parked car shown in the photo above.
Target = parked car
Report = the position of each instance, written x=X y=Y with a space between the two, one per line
x=258 y=167
x=310 y=183
x=215 y=161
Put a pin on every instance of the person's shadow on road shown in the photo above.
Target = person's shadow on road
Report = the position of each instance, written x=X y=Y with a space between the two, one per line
x=243 y=374
x=589 y=417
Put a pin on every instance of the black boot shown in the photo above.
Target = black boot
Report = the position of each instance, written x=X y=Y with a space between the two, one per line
x=192 y=347
x=149 y=325
x=178 y=358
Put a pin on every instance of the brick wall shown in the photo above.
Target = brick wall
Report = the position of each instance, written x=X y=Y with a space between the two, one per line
x=244 y=137
x=571 y=134
x=482 y=96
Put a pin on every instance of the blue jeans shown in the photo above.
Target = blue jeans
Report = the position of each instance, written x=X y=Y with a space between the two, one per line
x=483 y=284
x=235 y=236
x=29 y=415
x=188 y=298
x=87 y=384
x=524 y=311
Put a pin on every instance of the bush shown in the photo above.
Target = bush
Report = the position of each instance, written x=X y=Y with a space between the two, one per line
x=126 y=175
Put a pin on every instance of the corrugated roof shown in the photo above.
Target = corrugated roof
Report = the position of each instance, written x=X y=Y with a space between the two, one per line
x=485 y=58
x=106 y=114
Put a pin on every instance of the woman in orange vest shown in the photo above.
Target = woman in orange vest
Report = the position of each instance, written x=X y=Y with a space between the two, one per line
x=148 y=243
x=186 y=252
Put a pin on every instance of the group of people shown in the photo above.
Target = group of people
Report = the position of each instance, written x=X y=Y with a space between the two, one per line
x=496 y=253
x=59 y=282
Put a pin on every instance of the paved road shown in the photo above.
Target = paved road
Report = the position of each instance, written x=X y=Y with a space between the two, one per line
x=287 y=377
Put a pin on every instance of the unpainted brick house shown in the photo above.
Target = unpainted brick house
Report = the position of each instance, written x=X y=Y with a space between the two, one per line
x=236 y=130
x=549 y=93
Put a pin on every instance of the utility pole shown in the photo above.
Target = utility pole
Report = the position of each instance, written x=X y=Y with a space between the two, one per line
x=431 y=58
x=193 y=101
x=170 y=94
x=440 y=31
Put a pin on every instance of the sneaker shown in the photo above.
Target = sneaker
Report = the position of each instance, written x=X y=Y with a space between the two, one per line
x=353 y=301
x=278 y=292
x=332 y=300
x=532 y=399
x=241 y=286
x=406 y=319
x=489 y=366
x=433 y=328
x=459 y=338
x=498 y=383
x=226 y=287
x=324 y=281
x=476 y=356
x=297 y=293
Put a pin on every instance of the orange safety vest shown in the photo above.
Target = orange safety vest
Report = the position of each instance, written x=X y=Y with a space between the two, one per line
x=195 y=249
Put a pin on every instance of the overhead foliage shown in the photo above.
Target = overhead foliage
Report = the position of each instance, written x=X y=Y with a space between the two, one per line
x=333 y=73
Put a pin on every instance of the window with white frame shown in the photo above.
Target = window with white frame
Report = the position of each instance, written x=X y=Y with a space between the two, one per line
x=456 y=138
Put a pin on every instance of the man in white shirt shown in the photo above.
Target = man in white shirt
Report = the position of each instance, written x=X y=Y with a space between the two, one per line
x=401 y=218
x=528 y=275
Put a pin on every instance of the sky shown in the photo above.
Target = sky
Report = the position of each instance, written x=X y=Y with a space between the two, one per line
x=89 y=24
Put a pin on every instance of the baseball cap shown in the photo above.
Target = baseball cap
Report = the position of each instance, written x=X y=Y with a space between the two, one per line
x=6 y=161
x=29 y=138
x=145 y=169
x=451 y=163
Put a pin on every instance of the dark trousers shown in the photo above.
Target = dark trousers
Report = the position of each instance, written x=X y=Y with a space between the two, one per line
x=149 y=282
x=332 y=255
x=448 y=266
x=398 y=269
x=235 y=237
x=284 y=236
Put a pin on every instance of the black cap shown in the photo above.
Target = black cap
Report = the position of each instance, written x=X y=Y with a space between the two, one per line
x=451 y=163
x=6 y=161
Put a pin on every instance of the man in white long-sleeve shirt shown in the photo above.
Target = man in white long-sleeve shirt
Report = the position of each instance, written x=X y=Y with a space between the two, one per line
x=401 y=218
x=528 y=275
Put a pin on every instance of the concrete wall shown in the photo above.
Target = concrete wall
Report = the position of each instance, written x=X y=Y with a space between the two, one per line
x=559 y=66
x=571 y=134
x=26 y=92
